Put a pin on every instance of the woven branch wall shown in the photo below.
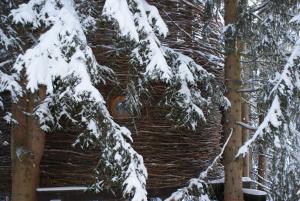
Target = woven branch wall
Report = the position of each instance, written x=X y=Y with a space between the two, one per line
x=172 y=155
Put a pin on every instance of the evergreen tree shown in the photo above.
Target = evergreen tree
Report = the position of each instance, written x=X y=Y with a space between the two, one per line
x=57 y=74
x=273 y=35
x=265 y=28
x=51 y=75
x=63 y=68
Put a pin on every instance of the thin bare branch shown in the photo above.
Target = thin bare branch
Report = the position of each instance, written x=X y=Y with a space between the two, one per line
x=248 y=90
x=247 y=126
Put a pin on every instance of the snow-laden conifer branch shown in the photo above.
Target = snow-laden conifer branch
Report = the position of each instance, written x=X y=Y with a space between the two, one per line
x=141 y=21
x=195 y=191
x=187 y=81
x=8 y=42
x=271 y=119
x=183 y=95
x=5 y=40
x=63 y=62
x=284 y=87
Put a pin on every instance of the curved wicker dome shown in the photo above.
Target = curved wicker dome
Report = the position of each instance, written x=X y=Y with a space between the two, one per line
x=172 y=155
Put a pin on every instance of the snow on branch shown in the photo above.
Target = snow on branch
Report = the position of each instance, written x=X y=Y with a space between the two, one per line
x=62 y=49
x=189 y=90
x=118 y=10
x=5 y=40
x=8 y=81
x=271 y=119
x=8 y=40
x=147 y=17
x=141 y=22
x=203 y=174
x=70 y=73
x=284 y=86
x=128 y=167
x=197 y=188
x=247 y=126
x=289 y=78
x=183 y=94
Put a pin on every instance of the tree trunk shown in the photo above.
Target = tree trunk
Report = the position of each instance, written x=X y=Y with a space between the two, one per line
x=245 y=136
x=27 y=146
x=233 y=166
x=261 y=162
x=261 y=168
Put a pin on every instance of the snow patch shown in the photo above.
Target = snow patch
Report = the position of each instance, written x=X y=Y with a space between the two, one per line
x=254 y=192
x=119 y=11
x=67 y=188
x=220 y=181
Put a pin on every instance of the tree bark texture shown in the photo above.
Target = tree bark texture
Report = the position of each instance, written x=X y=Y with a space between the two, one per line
x=245 y=136
x=233 y=166
x=27 y=146
x=262 y=162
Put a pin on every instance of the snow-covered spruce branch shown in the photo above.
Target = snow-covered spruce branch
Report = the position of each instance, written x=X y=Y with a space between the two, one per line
x=271 y=119
x=183 y=95
x=288 y=80
x=284 y=88
x=197 y=187
x=142 y=28
x=8 y=42
x=70 y=73
x=186 y=80
x=8 y=36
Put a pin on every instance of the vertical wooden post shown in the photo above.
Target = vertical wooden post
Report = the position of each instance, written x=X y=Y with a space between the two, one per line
x=27 y=146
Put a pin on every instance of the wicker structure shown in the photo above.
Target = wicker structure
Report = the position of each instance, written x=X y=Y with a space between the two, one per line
x=172 y=155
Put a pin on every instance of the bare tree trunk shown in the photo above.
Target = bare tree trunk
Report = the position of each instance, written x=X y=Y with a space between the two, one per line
x=261 y=162
x=233 y=166
x=261 y=168
x=27 y=146
x=245 y=136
